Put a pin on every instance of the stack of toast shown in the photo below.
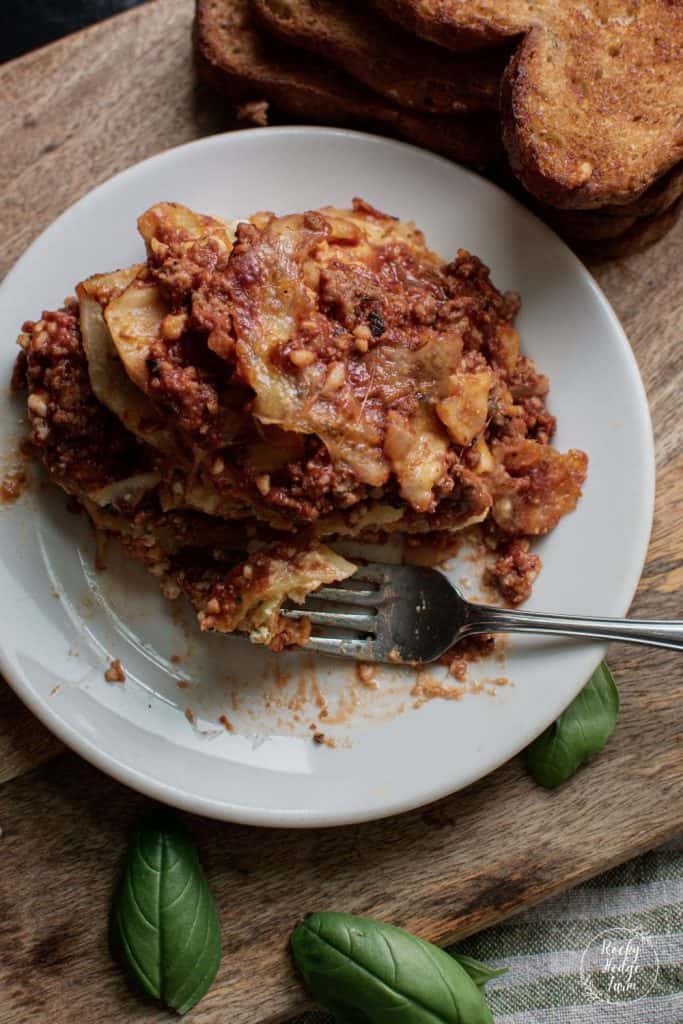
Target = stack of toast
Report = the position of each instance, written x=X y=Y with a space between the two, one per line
x=574 y=105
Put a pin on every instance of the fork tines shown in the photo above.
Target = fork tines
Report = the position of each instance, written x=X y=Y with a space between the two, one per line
x=364 y=590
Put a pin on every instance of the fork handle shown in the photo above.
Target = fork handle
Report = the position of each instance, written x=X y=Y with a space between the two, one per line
x=656 y=633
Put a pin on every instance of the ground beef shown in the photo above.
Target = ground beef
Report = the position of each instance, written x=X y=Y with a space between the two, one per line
x=185 y=378
x=539 y=423
x=182 y=264
x=18 y=380
x=514 y=572
x=83 y=445
x=477 y=306
x=313 y=487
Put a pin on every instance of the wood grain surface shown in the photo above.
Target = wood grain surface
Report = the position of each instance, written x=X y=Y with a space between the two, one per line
x=71 y=115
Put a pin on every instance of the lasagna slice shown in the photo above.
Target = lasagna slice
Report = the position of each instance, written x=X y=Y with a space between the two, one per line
x=253 y=392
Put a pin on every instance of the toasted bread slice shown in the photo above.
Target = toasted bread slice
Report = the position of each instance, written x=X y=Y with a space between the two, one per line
x=606 y=222
x=244 y=64
x=469 y=25
x=589 y=226
x=592 y=114
x=592 y=99
x=393 y=63
x=655 y=200
x=640 y=236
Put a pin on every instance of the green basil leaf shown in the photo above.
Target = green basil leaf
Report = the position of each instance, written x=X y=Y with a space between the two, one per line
x=479 y=972
x=164 y=924
x=580 y=731
x=366 y=972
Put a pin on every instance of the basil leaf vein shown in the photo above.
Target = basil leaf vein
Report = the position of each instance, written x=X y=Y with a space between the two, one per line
x=580 y=732
x=164 y=925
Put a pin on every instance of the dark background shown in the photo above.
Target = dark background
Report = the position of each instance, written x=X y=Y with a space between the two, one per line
x=26 y=24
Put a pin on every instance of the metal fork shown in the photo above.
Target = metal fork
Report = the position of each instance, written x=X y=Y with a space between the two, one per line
x=403 y=613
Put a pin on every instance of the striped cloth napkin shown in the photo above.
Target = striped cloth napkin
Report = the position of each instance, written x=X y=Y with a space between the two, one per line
x=610 y=950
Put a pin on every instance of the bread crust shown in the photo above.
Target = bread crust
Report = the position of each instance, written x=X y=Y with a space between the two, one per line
x=374 y=50
x=243 y=64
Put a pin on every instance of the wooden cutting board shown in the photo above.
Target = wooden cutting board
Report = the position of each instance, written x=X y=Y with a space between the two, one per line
x=72 y=115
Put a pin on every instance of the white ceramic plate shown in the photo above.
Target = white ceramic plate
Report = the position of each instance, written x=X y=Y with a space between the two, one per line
x=61 y=621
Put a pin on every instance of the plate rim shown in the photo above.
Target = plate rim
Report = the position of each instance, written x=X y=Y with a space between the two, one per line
x=157 y=789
